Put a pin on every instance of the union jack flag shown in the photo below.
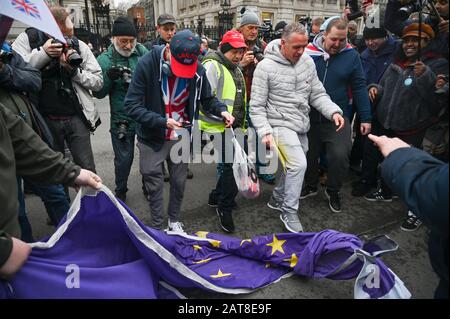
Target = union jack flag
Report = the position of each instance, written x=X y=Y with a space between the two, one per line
x=27 y=7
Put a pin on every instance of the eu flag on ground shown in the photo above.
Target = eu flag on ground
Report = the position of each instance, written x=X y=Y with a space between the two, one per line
x=101 y=250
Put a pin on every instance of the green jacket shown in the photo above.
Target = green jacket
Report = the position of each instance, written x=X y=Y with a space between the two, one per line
x=116 y=89
x=23 y=152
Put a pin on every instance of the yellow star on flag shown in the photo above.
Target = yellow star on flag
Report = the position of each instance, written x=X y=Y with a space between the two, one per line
x=202 y=261
x=277 y=245
x=220 y=275
x=293 y=260
x=215 y=243
x=246 y=241
x=202 y=234
x=197 y=247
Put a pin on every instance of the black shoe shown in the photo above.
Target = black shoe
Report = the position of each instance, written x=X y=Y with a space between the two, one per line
x=225 y=220
x=122 y=196
x=378 y=196
x=212 y=200
x=308 y=191
x=334 y=201
x=361 y=188
x=411 y=223
x=190 y=175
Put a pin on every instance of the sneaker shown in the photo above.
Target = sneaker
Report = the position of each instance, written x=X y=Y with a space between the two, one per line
x=176 y=227
x=361 y=188
x=268 y=178
x=273 y=204
x=225 y=220
x=411 y=223
x=334 y=200
x=212 y=201
x=308 y=191
x=122 y=196
x=190 y=174
x=378 y=196
x=291 y=222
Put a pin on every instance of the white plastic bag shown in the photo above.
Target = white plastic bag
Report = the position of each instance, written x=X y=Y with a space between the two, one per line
x=244 y=173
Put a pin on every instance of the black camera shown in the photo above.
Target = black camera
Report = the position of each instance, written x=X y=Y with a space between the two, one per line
x=5 y=56
x=74 y=59
x=355 y=10
x=122 y=129
x=120 y=72
x=258 y=53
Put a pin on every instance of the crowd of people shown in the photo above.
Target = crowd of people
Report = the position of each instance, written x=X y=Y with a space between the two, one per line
x=313 y=94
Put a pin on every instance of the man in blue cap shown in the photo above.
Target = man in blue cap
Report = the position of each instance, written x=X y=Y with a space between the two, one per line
x=167 y=88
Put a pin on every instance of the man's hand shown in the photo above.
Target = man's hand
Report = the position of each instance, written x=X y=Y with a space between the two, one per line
x=441 y=80
x=268 y=141
x=87 y=178
x=387 y=145
x=365 y=128
x=53 y=50
x=247 y=59
x=373 y=92
x=173 y=125
x=443 y=26
x=19 y=255
x=228 y=118
x=419 y=68
x=339 y=121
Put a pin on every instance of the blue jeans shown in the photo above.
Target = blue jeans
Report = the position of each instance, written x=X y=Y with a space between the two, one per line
x=123 y=159
x=54 y=198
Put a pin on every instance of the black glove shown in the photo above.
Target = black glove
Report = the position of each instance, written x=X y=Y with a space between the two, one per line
x=114 y=73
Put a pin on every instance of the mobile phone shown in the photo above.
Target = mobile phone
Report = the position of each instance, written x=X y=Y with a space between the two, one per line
x=186 y=125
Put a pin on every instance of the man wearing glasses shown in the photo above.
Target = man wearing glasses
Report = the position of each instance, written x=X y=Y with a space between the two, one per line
x=118 y=64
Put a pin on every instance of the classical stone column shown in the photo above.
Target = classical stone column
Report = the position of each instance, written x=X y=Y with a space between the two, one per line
x=168 y=6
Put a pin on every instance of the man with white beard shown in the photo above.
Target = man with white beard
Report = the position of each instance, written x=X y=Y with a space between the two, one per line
x=118 y=64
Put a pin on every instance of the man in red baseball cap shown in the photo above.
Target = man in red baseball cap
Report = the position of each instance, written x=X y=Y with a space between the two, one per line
x=164 y=97
x=228 y=85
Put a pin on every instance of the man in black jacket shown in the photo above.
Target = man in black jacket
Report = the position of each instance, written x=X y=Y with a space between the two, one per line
x=421 y=181
x=163 y=98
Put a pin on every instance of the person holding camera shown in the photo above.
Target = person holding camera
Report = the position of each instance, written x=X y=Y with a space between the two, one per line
x=401 y=13
x=249 y=27
x=405 y=100
x=17 y=77
x=69 y=72
x=285 y=89
x=164 y=96
x=118 y=64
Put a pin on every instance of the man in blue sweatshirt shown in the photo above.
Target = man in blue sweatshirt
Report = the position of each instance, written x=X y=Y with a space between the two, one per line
x=339 y=68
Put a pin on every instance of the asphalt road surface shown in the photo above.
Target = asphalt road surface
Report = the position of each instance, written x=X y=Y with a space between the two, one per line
x=365 y=219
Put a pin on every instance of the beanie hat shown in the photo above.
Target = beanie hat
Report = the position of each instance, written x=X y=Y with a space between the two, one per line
x=123 y=26
x=249 y=17
x=374 y=33
x=280 y=26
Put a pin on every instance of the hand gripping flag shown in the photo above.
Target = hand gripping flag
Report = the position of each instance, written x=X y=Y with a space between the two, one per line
x=101 y=250
x=34 y=13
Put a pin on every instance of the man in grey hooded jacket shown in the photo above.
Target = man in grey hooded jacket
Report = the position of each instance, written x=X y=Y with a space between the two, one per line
x=285 y=87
